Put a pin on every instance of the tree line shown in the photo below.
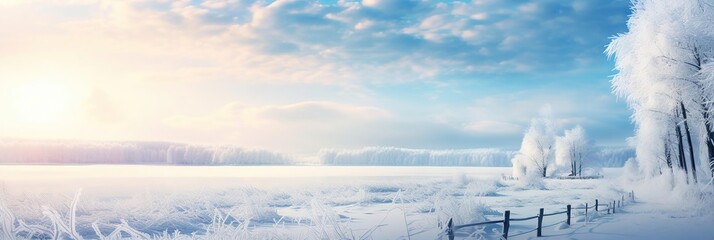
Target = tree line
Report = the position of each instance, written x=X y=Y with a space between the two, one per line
x=666 y=74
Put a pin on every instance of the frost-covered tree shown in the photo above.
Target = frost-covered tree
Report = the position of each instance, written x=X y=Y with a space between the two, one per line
x=572 y=149
x=663 y=65
x=536 y=153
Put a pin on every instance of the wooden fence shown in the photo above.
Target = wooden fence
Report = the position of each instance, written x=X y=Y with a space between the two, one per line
x=610 y=208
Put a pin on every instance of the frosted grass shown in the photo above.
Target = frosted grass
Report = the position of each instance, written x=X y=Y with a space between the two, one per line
x=163 y=202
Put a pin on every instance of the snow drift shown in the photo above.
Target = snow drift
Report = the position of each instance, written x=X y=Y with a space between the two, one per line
x=484 y=157
x=75 y=152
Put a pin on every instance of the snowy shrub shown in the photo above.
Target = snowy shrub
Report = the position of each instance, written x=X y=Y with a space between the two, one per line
x=486 y=187
x=8 y=222
x=327 y=224
x=461 y=179
x=462 y=211
x=630 y=170
x=531 y=180
x=686 y=199
x=255 y=213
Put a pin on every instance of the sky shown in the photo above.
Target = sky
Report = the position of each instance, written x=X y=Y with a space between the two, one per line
x=299 y=76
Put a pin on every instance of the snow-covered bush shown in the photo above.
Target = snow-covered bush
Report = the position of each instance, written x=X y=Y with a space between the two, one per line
x=532 y=180
x=327 y=224
x=485 y=187
x=461 y=179
x=462 y=211
x=631 y=170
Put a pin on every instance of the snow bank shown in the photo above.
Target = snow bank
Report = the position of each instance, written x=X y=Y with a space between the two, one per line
x=75 y=152
x=484 y=157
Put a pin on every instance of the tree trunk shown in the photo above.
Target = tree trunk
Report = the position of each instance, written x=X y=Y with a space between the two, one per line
x=667 y=154
x=680 y=147
x=580 y=164
x=710 y=137
x=544 y=169
x=689 y=142
x=682 y=163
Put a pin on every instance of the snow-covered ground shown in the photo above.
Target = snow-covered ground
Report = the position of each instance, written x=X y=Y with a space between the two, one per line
x=315 y=202
x=642 y=221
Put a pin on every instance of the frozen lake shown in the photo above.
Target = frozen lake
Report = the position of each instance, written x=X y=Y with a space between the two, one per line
x=284 y=202
x=133 y=177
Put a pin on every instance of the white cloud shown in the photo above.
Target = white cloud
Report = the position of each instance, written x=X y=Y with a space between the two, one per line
x=226 y=117
x=365 y=24
x=390 y=5
x=318 y=112
x=479 y=16
x=218 y=4
x=529 y=7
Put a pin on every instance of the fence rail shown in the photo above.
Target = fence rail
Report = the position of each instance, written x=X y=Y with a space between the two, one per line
x=506 y=221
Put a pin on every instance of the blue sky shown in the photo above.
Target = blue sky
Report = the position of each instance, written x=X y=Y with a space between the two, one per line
x=297 y=76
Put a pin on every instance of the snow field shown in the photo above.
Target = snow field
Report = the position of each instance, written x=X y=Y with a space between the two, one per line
x=398 y=203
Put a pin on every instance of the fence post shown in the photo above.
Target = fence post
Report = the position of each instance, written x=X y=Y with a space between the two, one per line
x=633 y=194
x=613 y=206
x=568 y=221
x=586 y=212
x=506 y=223
x=596 y=205
x=540 y=221
x=450 y=229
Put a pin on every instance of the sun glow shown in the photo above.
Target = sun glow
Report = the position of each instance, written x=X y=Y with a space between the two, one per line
x=47 y=102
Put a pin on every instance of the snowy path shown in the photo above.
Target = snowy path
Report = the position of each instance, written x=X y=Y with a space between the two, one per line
x=638 y=221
